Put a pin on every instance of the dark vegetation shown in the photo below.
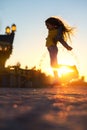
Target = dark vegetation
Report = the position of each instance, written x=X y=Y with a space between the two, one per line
x=14 y=76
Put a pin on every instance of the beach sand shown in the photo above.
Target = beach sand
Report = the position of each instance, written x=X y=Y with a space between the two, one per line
x=60 y=108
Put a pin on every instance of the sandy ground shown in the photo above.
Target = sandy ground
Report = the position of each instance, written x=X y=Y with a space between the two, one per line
x=61 y=108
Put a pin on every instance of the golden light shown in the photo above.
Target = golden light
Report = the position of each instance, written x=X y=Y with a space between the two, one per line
x=7 y=30
x=13 y=27
x=64 y=70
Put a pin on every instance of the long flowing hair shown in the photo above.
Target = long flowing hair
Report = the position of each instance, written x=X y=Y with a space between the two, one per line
x=66 y=30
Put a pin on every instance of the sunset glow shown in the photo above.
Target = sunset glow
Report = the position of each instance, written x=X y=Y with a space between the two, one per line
x=63 y=70
x=30 y=37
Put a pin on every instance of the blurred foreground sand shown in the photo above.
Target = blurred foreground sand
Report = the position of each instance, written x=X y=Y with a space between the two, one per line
x=60 y=108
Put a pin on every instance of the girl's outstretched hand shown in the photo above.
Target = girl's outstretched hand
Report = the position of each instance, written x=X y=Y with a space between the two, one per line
x=69 y=48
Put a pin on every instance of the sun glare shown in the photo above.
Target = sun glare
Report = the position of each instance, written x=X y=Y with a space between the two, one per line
x=66 y=73
x=63 y=70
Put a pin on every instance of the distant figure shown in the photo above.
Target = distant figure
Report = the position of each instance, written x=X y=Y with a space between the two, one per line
x=57 y=32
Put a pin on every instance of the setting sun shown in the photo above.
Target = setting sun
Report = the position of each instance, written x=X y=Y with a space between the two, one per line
x=65 y=72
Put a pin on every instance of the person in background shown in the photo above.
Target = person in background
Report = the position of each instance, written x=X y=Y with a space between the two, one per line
x=57 y=32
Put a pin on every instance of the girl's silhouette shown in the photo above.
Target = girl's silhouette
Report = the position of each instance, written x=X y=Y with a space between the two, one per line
x=57 y=32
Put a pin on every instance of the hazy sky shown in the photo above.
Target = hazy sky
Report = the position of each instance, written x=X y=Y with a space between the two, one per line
x=29 y=43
